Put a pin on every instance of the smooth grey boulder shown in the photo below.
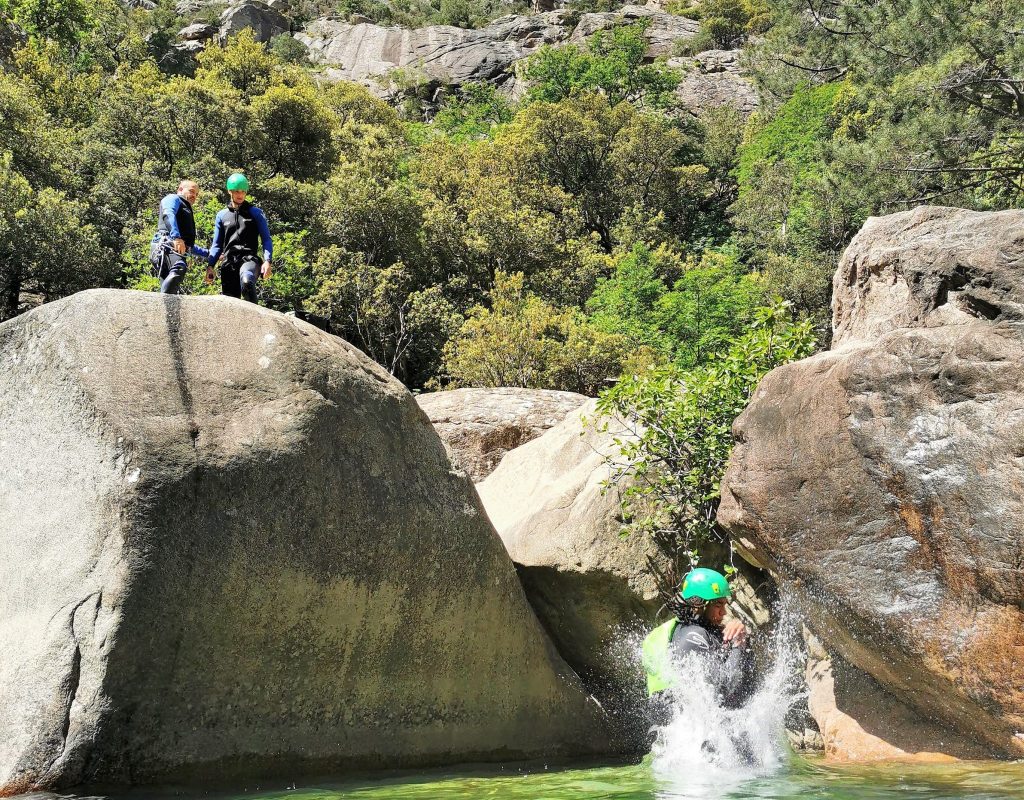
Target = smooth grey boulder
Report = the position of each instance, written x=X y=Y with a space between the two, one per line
x=264 y=21
x=479 y=426
x=197 y=32
x=883 y=481
x=715 y=79
x=367 y=53
x=234 y=546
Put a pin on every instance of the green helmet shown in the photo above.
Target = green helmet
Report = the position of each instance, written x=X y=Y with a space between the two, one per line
x=237 y=182
x=705 y=584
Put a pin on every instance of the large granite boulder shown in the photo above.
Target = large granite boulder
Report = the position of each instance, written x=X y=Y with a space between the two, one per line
x=263 y=20
x=883 y=481
x=234 y=546
x=367 y=53
x=715 y=79
x=663 y=30
x=480 y=425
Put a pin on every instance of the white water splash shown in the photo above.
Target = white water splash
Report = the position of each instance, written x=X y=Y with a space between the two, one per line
x=706 y=750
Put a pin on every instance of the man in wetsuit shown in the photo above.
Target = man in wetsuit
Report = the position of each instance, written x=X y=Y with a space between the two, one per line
x=241 y=238
x=698 y=626
x=175 y=236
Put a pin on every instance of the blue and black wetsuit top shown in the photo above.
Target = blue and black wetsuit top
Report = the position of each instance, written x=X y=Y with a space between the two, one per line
x=177 y=222
x=238 y=234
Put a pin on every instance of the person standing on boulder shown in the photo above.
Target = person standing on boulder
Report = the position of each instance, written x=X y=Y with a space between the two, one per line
x=241 y=237
x=698 y=626
x=175 y=236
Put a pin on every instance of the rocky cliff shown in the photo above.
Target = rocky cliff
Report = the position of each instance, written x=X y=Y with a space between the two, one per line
x=373 y=55
x=883 y=481
x=233 y=545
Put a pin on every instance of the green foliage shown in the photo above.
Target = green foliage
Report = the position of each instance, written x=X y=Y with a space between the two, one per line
x=384 y=311
x=710 y=303
x=47 y=249
x=678 y=438
x=613 y=64
x=521 y=340
x=473 y=112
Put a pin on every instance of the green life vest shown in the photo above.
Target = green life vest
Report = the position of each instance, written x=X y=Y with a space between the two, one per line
x=656 y=661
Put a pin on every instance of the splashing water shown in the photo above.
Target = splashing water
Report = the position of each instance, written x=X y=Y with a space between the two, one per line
x=706 y=750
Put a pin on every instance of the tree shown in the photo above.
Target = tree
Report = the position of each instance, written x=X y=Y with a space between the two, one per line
x=47 y=249
x=614 y=64
x=681 y=436
x=523 y=341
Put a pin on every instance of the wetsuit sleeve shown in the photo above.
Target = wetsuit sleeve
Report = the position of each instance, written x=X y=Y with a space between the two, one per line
x=218 y=241
x=693 y=639
x=202 y=252
x=264 y=229
x=169 y=211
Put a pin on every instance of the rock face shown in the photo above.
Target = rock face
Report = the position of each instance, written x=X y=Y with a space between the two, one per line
x=234 y=546
x=714 y=79
x=367 y=53
x=264 y=21
x=883 y=481
x=480 y=425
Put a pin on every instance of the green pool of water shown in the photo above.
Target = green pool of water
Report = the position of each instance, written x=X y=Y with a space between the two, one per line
x=801 y=778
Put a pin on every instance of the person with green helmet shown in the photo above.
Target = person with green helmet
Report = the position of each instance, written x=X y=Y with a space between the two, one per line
x=698 y=626
x=241 y=237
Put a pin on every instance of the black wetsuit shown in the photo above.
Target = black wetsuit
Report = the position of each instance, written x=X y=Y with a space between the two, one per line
x=731 y=669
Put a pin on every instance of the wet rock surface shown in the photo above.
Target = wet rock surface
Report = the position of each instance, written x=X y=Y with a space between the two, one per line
x=883 y=481
x=245 y=560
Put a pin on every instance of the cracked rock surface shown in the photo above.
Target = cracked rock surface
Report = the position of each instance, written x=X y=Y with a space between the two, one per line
x=233 y=545
x=883 y=481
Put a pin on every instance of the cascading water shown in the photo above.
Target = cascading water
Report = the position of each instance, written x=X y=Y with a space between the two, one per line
x=706 y=750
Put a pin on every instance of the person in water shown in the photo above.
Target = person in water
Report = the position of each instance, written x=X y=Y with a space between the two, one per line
x=698 y=625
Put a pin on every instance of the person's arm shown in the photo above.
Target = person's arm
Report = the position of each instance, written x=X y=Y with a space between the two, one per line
x=169 y=212
x=735 y=678
x=218 y=241
x=265 y=240
x=202 y=252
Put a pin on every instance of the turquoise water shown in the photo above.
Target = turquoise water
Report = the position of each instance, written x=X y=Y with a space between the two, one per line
x=804 y=778
x=799 y=778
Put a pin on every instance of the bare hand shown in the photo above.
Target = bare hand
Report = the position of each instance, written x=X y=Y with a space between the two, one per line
x=265 y=272
x=179 y=247
x=209 y=276
x=734 y=633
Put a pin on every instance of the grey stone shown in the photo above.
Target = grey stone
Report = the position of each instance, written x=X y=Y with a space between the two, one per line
x=714 y=79
x=479 y=426
x=663 y=32
x=234 y=546
x=367 y=53
x=197 y=32
x=264 y=21
x=881 y=481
